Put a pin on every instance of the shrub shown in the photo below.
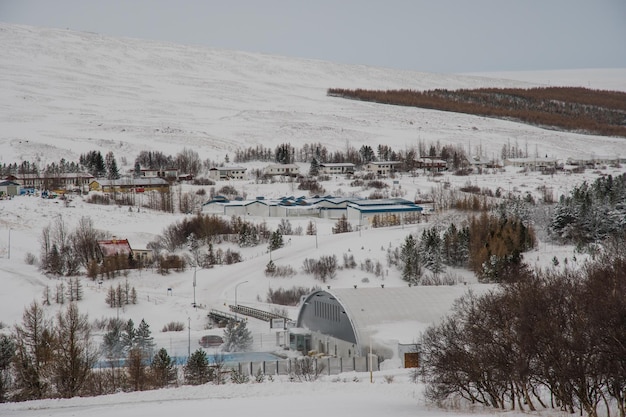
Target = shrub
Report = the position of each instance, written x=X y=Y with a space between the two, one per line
x=377 y=184
x=174 y=326
x=30 y=259
x=239 y=377
x=280 y=271
x=203 y=181
x=287 y=297
x=322 y=269
x=306 y=369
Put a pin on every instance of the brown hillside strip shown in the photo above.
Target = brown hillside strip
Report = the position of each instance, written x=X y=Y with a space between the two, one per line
x=571 y=109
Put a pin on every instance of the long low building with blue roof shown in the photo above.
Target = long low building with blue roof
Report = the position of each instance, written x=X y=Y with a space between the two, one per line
x=359 y=211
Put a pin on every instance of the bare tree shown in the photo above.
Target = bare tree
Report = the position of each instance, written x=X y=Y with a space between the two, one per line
x=34 y=343
x=188 y=162
x=84 y=241
x=75 y=354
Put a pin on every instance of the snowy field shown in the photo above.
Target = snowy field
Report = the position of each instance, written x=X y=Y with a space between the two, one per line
x=66 y=93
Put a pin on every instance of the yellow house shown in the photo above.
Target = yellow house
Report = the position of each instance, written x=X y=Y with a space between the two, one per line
x=138 y=185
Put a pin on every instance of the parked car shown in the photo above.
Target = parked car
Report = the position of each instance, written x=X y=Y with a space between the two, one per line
x=211 y=341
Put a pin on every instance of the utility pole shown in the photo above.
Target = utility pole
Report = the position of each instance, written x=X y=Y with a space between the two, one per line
x=194 y=287
x=189 y=338
x=243 y=282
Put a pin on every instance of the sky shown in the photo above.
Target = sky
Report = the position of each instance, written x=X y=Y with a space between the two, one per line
x=446 y=36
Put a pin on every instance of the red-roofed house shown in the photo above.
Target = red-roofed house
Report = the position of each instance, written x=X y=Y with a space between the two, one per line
x=114 y=247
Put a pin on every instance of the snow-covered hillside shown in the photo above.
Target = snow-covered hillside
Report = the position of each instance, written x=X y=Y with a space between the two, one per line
x=65 y=93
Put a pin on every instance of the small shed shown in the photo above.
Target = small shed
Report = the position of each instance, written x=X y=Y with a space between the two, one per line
x=9 y=188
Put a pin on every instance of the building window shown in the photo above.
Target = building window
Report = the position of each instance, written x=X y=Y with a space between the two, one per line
x=326 y=311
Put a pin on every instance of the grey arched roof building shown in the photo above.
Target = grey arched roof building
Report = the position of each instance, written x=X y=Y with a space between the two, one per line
x=344 y=321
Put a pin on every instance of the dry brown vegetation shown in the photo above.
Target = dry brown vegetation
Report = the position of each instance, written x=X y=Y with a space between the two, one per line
x=573 y=109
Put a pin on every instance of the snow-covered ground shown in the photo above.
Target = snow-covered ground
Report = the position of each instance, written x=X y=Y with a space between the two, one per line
x=66 y=93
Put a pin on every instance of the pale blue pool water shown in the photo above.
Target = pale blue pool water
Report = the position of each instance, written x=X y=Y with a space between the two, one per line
x=227 y=358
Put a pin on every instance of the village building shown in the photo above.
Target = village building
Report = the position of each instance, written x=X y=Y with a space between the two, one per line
x=169 y=174
x=431 y=164
x=114 y=247
x=144 y=256
x=481 y=162
x=128 y=185
x=9 y=188
x=358 y=211
x=365 y=213
x=382 y=168
x=339 y=168
x=57 y=181
x=593 y=161
x=533 y=164
x=288 y=170
x=227 y=173
x=348 y=322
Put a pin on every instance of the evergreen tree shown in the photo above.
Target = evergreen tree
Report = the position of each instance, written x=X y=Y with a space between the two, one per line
x=367 y=154
x=112 y=172
x=237 y=337
x=410 y=261
x=310 y=228
x=431 y=251
x=276 y=240
x=129 y=335
x=314 y=169
x=197 y=370
x=270 y=268
x=54 y=264
x=113 y=341
x=210 y=258
x=248 y=235
x=284 y=153
x=162 y=369
x=144 y=340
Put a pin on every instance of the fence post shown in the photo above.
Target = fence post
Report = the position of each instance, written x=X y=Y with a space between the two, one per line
x=329 y=365
x=341 y=365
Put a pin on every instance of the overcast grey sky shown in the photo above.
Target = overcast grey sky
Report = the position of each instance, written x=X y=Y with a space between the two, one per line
x=424 y=35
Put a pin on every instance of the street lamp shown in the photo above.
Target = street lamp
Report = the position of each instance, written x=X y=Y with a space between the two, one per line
x=236 y=286
x=188 y=337
x=194 y=287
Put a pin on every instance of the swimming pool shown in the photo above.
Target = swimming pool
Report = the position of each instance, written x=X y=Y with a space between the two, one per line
x=213 y=357
x=235 y=357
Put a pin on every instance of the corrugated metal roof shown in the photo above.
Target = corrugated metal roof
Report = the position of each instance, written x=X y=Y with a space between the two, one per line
x=370 y=308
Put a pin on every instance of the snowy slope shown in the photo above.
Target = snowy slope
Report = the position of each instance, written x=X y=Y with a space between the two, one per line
x=77 y=91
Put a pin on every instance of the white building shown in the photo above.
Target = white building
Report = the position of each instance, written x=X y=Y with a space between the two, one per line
x=382 y=168
x=227 y=173
x=534 y=164
x=337 y=168
x=282 y=169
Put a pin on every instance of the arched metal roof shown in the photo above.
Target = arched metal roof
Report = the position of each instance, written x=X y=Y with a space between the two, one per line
x=371 y=309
